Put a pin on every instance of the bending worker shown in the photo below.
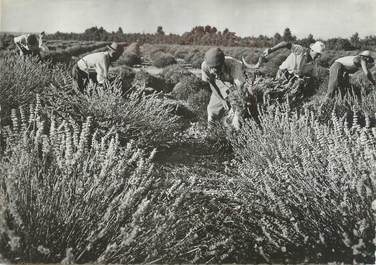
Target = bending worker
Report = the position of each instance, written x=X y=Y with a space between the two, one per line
x=95 y=66
x=224 y=74
x=300 y=61
x=30 y=44
x=341 y=68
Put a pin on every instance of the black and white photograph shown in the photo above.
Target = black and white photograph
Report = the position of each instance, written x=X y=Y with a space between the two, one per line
x=187 y=132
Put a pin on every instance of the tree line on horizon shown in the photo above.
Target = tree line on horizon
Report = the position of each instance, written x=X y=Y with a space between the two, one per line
x=207 y=35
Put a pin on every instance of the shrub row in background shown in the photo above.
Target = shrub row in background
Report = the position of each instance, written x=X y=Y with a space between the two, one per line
x=194 y=54
x=178 y=82
x=65 y=56
x=131 y=55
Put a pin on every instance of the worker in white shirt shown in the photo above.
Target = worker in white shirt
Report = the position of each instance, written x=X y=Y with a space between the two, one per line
x=95 y=66
x=300 y=59
x=42 y=46
x=30 y=44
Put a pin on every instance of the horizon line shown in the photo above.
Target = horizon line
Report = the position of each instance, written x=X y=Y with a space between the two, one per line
x=180 y=34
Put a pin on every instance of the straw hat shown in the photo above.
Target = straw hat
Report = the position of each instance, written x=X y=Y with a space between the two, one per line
x=114 y=47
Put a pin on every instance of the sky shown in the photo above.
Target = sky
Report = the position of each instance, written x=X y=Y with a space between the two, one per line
x=323 y=18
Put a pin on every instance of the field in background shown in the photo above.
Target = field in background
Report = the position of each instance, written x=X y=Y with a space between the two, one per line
x=64 y=50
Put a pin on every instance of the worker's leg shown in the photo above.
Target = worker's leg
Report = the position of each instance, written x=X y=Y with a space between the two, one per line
x=345 y=84
x=79 y=79
x=236 y=120
x=335 y=77
x=92 y=79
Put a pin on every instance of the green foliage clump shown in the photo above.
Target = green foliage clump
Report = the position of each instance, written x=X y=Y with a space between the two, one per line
x=314 y=184
x=161 y=59
x=134 y=48
x=149 y=120
x=195 y=92
x=126 y=74
x=172 y=74
x=195 y=57
x=21 y=78
x=7 y=42
x=144 y=79
x=129 y=59
x=158 y=55
x=131 y=55
x=70 y=195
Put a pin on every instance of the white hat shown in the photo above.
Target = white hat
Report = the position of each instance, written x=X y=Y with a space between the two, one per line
x=367 y=54
x=318 y=46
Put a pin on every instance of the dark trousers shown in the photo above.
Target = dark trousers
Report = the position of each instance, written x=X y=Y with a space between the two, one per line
x=81 y=79
x=339 y=80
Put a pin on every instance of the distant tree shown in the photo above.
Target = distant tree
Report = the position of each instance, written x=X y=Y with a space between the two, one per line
x=200 y=30
x=160 y=30
x=90 y=30
x=355 y=40
x=339 y=44
x=310 y=38
x=120 y=31
x=369 y=41
x=307 y=41
x=277 y=37
x=209 y=35
x=287 y=35
x=206 y=39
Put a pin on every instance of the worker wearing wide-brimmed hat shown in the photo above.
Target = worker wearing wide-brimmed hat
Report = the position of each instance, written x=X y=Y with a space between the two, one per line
x=300 y=61
x=224 y=74
x=95 y=66
x=339 y=72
